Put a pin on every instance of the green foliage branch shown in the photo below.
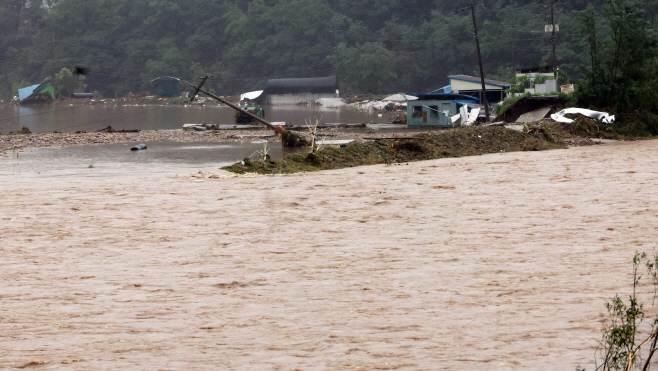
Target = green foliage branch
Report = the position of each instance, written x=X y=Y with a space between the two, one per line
x=619 y=348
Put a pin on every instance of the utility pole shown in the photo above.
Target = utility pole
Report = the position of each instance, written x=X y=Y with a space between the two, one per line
x=553 y=39
x=513 y=47
x=477 y=45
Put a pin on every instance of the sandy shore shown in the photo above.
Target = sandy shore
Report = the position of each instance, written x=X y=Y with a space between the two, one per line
x=499 y=262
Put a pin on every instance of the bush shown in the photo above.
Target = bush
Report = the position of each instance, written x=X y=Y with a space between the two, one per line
x=620 y=348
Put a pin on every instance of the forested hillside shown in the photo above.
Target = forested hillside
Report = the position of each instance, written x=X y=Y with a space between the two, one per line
x=374 y=46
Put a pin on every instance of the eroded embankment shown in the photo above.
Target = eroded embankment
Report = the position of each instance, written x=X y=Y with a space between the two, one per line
x=467 y=141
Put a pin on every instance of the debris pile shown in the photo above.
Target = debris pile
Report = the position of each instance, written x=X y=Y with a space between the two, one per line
x=395 y=102
x=109 y=129
x=24 y=131
x=526 y=105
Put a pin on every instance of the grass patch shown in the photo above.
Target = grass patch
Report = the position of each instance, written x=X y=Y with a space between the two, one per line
x=499 y=109
x=464 y=141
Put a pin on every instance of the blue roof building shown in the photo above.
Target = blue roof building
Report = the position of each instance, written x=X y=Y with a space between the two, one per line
x=436 y=109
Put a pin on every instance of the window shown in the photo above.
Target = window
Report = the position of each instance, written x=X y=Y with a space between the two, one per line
x=418 y=111
x=434 y=111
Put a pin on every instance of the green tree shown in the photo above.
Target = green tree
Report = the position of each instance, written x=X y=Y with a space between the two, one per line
x=68 y=83
x=619 y=76
x=366 y=68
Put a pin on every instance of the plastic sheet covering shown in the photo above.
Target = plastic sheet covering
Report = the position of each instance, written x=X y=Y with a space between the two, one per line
x=251 y=95
x=26 y=92
x=603 y=116
x=399 y=98
x=331 y=102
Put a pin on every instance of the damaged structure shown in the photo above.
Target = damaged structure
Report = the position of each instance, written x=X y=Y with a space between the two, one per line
x=437 y=109
x=298 y=91
x=39 y=93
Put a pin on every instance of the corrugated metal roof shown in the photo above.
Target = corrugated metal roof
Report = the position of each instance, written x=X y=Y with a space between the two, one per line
x=478 y=80
x=445 y=96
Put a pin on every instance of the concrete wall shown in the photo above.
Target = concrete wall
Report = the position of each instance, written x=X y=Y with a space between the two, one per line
x=290 y=99
x=531 y=76
x=550 y=86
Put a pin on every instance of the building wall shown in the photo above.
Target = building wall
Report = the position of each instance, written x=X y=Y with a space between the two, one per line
x=430 y=112
x=457 y=85
x=288 y=99
x=531 y=76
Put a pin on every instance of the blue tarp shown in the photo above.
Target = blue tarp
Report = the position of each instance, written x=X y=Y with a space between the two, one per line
x=446 y=89
x=26 y=92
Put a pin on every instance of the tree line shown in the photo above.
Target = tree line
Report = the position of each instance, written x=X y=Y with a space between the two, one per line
x=374 y=46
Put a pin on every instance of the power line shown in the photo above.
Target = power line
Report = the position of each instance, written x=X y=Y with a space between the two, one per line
x=110 y=119
x=35 y=114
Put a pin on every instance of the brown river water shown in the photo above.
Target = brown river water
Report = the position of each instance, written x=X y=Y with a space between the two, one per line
x=494 y=262
x=70 y=118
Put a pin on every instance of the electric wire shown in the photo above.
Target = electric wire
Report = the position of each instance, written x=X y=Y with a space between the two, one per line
x=34 y=114
x=108 y=119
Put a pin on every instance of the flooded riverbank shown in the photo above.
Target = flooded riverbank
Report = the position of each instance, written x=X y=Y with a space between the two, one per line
x=72 y=118
x=161 y=158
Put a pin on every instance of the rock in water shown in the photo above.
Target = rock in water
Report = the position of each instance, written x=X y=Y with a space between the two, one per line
x=138 y=147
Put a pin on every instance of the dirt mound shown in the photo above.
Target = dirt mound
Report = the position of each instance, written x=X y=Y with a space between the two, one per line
x=466 y=141
x=529 y=104
x=24 y=131
x=585 y=127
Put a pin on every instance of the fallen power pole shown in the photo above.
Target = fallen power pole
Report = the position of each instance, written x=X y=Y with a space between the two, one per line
x=288 y=138
x=198 y=89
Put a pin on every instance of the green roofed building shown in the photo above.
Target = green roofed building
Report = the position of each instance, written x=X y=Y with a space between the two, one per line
x=38 y=93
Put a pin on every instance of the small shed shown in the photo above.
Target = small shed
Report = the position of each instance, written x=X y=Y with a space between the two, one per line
x=436 y=109
x=469 y=85
x=298 y=90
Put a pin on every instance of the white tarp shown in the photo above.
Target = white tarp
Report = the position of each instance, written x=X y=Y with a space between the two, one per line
x=473 y=116
x=399 y=98
x=373 y=104
x=331 y=102
x=596 y=115
x=463 y=114
x=251 y=95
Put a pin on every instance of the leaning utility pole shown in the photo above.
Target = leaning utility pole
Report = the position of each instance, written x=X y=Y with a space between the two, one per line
x=477 y=45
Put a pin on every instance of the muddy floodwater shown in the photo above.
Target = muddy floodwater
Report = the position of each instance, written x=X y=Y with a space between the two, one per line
x=495 y=262
x=70 y=118
x=160 y=158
